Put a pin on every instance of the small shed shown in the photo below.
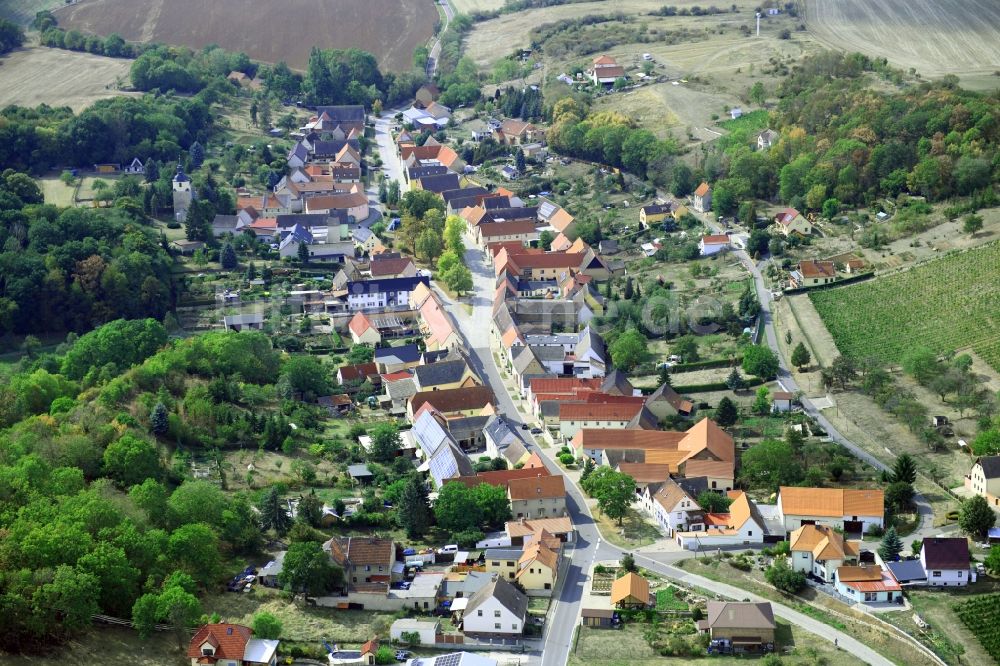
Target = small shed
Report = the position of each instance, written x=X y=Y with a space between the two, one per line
x=427 y=630
x=360 y=473
x=601 y=618
x=781 y=401
x=268 y=574
x=631 y=591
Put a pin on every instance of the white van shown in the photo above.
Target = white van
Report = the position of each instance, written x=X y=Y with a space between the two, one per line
x=450 y=549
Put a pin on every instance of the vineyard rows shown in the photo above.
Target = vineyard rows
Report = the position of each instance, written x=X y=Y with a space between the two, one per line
x=982 y=616
x=947 y=304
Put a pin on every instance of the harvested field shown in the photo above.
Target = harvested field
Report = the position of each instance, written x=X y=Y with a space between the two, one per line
x=935 y=37
x=269 y=31
x=39 y=75
x=23 y=11
x=467 y=6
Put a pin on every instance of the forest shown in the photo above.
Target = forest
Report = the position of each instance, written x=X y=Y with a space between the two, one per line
x=841 y=140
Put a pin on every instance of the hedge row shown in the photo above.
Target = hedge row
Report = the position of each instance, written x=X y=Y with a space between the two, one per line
x=704 y=365
x=715 y=386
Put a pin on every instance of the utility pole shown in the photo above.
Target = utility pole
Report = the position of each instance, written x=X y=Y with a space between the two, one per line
x=758 y=24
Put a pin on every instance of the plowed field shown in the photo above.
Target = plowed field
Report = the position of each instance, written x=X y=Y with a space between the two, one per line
x=935 y=37
x=266 y=30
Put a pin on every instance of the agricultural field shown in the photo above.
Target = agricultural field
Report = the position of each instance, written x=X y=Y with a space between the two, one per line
x=945 y=304
x=39 y=75
x=935 y=37
x=56 y=192
x=268 y=32
x=23 y=11
x=982 y=616
x=468 y=6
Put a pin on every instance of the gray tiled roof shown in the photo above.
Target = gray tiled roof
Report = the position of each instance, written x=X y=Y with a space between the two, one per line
x=505 y=593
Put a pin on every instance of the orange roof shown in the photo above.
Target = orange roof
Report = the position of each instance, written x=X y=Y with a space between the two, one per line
x=517 y=227
x=720 y=469
x=612 y=438
x=823 y=542
x=510 y=337
x=868 y=579
x=597 y=412
x=715 y=239
x=605 y=60
x=645 y=472
x=670 y=458
x=547 y=260
x=561 y=220
x=707 y=435
x=504 y=192
x=229 y=640
x=537 y=552
x=435 y=319
x=702 y=190
x=553 y=385
x=501 y=477
x=336 y=201
x=630 y=586
x=817 y=269
x=831 y=502
x=537 y=487
x=371 y=647
x=856 y=574
x=524 y=527
x=396 y=376
x=534 y=461
x=560 y=243
x=360 y=323
x=264 y=223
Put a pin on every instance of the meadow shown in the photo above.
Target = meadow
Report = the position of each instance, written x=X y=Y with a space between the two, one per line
x=945 y=304
x=266 y=31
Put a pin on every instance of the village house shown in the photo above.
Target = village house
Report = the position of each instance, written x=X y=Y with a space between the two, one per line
x=946 y=561
x=631 y=591
x=672 y=507
x=605 y=70
x=497 y=609
x=523 y=531
x=790 y=221
x=538 y=569
x=701 y=200
x=713 y=244
x=811 y=273
x=852 y=511
x=984 y=479
x=387 y=293
x=224 y=644
x=427 y=631
x=580 y=417
x=867 y=583
x=454 y=402
x=453 y=374
x=766 y=139
x=504 y=441
x=819 y=550
x=396 y=359
x=363 y=331
x=522 y=231
x=363 y=559
x=665 y=401
x=745 y=626
x=743 y=525
x=537 y=496
x=518 y=133
x=251 y=321
x=653 y=214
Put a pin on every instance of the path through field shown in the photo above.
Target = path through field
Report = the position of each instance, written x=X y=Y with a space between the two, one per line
x=936 y=37
x=265 y=30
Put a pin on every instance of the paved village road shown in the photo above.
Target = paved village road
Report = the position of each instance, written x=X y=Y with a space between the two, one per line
x=565 y=613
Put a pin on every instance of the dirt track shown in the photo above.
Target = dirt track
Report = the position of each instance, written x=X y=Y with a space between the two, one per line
x=266 y=30
x=936 y=37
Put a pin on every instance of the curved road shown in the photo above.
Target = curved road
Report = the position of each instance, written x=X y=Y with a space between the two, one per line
x=435 y=52
x=589 y=547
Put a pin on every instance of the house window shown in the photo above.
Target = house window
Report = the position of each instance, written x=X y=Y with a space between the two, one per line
x=496 y=613
x=480 y=613
x=871 y=596
x=749 y=532
x=961 y=573
x=514 y=627
x=495 y=564
x=937 y=574
x=368 y=567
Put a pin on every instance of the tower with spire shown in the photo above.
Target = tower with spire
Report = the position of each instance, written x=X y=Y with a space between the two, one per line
x=183 y=194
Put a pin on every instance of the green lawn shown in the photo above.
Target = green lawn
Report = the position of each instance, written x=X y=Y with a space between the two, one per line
x=634 y=532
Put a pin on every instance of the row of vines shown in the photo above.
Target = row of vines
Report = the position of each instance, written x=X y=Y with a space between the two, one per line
x=948 y=304
x=982 y=616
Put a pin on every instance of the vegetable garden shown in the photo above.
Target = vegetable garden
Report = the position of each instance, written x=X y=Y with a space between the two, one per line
x=982 y=616
x=946 y=304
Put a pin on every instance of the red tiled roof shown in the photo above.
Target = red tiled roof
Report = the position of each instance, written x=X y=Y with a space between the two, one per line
x=352 y=372
x=383 y=267
x=360 y=323
x=598 y=412
x=715 y=239
x=537 y=487
x=552 y=385
x=702 y=190
x=817 y=269
x=454 y=400
x=501 y=477
x=229 y=640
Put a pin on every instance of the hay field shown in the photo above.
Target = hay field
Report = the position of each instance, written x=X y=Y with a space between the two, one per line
x=467 y=6
x=936 y=37
x=39 y=75
x=265 y=30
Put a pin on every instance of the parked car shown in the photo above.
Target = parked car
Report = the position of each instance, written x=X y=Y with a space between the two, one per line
x=402 y=655
x=524 y=426
x=536 y=431
x=409 y=551
x=451 y=548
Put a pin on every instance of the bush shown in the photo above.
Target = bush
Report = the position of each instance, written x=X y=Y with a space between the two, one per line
x=784 y=577
x=566 y=458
